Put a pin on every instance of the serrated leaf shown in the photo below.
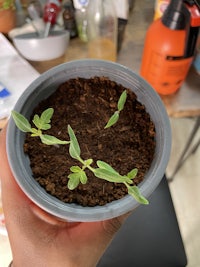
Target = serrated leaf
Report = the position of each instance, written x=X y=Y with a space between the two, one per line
x=74 y=180
x=75 y=169
x=52 y=140
x=133 y=173
x=135 y=193
x=113 y=119
x=103 y=165
x=110 y=176
x=83 y=177
x=74 y=149
x=21 y=122
x=122 y=101
x=47 y=115
x=43 y=121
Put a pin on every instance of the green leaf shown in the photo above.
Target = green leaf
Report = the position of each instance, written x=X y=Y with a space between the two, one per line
x=47 y=115
x=113 y=119
x=43 y=121
x=120 y=105
x=110 y=176
x=21 y=122
x=40 y=124
x=83 y=177
x=52 y=140
x=36 y=121
x=46 y=126
x=135 y=193
x=133 y=173
x=74 y=180
x=122 y=101
x=36 y=132
x=75 y=169
x=103 y=165
x=88 y=162
x=74 y=149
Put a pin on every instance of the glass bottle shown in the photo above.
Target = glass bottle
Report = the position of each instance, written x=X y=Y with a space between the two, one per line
x=81 y=19
x=69 y=18
x=102 y=30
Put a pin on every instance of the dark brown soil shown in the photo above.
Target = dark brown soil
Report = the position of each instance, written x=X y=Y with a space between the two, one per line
x=87 y=104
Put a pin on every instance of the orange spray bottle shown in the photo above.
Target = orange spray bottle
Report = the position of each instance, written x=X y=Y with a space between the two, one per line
x=168 y=49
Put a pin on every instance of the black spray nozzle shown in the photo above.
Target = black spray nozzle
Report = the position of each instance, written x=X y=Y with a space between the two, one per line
x=176 y=15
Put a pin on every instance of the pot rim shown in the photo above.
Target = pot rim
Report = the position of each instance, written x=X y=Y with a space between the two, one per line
x=50 y=79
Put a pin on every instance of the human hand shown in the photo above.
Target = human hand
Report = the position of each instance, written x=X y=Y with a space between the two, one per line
x=38 y=239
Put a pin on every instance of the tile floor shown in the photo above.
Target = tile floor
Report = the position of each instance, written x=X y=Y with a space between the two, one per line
x=185 y=193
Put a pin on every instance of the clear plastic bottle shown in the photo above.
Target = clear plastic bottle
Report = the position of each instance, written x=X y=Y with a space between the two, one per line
x=102 y=30
x=81 y=19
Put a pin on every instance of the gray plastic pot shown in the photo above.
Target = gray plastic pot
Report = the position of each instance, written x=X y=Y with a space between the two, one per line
x=41 y=88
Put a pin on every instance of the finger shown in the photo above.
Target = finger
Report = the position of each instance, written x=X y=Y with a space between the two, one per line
x=50 y=219
x=9 y=185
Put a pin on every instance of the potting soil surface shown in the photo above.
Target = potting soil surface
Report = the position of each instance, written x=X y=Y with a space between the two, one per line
x=86 y=105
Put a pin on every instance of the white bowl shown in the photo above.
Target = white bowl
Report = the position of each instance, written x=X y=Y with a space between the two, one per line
x=36 y=48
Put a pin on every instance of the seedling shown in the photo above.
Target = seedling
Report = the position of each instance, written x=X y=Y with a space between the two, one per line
x=78 y=174
x=104 y=171
x=120 y=106
x=41 y=123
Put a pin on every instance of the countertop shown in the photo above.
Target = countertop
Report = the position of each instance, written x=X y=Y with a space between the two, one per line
x=184 y=103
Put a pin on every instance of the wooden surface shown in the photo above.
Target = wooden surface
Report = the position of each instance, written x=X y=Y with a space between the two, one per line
x=184 y=103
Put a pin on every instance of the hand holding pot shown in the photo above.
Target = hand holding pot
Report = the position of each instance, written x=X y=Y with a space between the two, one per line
x=39 y=239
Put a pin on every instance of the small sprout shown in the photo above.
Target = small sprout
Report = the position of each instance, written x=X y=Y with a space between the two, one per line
x=120 y=106
x=133 y=190
x=74 y=148
x=104 y=171
x=42 y=123
x=78 y=174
